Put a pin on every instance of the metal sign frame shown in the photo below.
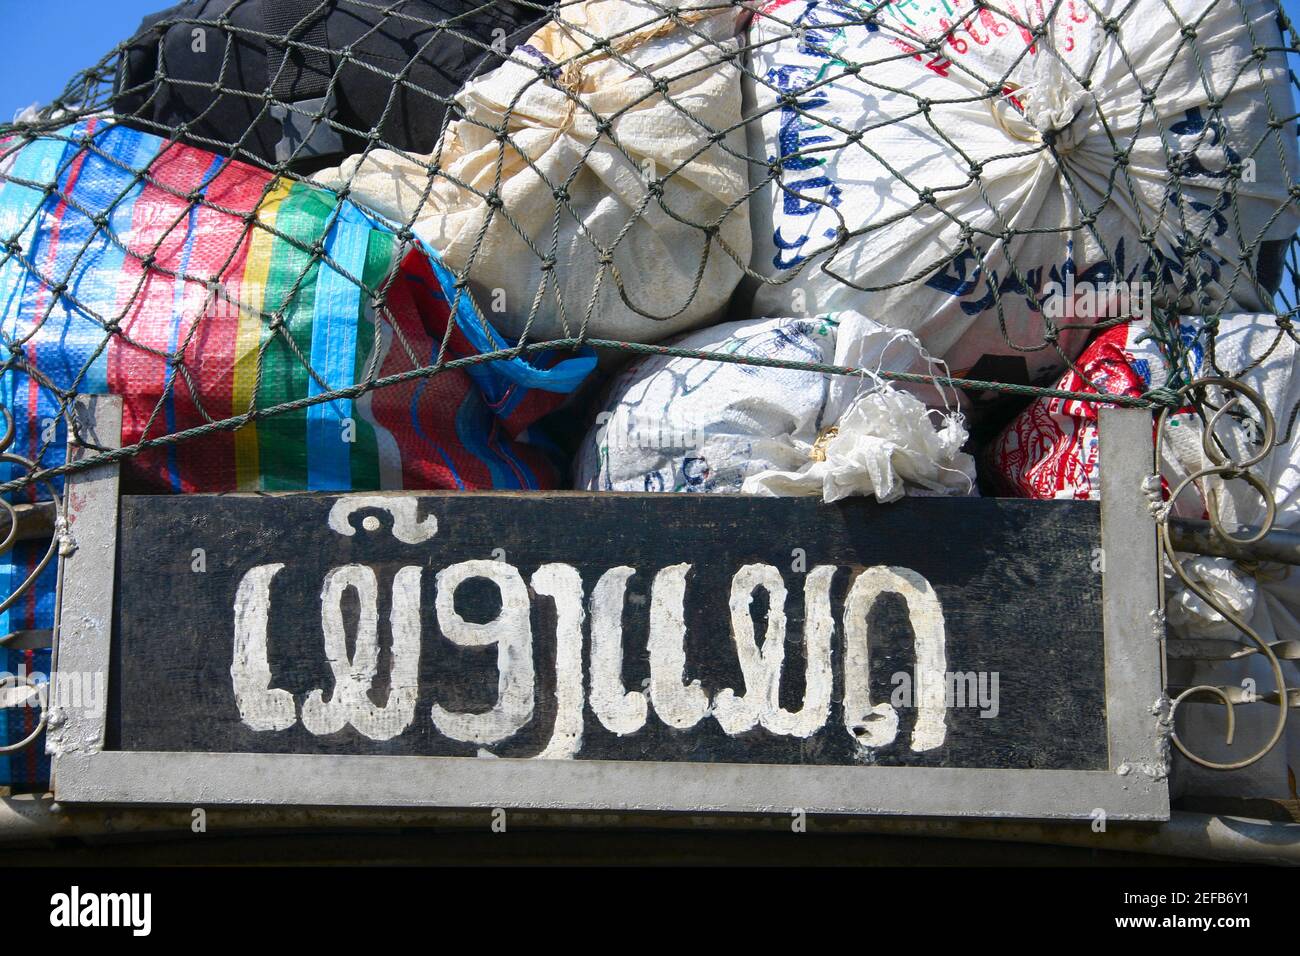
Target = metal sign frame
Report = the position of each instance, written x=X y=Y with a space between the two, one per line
x=1132 y=788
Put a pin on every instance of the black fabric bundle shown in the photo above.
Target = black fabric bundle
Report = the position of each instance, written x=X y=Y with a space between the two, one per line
x=304 y=83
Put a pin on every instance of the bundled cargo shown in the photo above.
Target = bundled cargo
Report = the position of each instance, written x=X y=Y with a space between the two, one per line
x=1051 y=451
x=596 y=182
x=333 y=72
x=999 y=178
x=203 y=291
x=681 y=423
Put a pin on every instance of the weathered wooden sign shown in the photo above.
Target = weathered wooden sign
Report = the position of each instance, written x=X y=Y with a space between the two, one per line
x=623 y=651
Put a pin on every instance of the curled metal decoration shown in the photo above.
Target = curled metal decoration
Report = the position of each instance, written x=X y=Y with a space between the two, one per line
x=10 y=539
x=41 y=689
x=1222 y=467
x=9 y=457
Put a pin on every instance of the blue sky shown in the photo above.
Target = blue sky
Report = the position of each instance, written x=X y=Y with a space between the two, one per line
x=47 y=41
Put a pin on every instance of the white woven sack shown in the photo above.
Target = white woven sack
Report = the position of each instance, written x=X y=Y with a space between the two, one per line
x=921 y=137
x=551 y=220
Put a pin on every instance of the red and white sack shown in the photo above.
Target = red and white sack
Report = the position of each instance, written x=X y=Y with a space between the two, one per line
x=563 y=210
x=1050 y=451
x=880 y=141
x=675 y=423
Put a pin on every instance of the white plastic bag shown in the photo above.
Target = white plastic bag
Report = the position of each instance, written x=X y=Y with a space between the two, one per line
x=886 y=441
x=544 y=251
x=697 y=425
x=883 y=138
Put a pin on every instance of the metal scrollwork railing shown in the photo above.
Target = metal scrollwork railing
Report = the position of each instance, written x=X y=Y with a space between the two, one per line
x=38 y=689
x=1199 y=394
x=27 y=522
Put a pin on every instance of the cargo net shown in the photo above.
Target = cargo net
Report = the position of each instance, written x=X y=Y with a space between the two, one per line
x=426 y=226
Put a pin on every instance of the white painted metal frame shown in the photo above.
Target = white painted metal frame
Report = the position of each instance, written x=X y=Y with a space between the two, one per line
x=1133 y=788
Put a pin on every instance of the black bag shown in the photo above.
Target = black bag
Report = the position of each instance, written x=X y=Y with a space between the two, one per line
x=252 y=78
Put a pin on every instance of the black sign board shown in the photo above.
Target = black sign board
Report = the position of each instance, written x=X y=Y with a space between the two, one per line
x=672 y=652
x=291 y=628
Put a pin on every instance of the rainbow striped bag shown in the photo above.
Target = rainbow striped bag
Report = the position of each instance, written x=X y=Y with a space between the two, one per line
x=198 y=288
x=201 y=290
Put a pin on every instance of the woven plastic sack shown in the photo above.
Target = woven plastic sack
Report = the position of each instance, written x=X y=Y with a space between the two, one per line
x=170 y=289
x=916 y=182
x=1051 y=451
x=676 y=423
x=618 y=230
